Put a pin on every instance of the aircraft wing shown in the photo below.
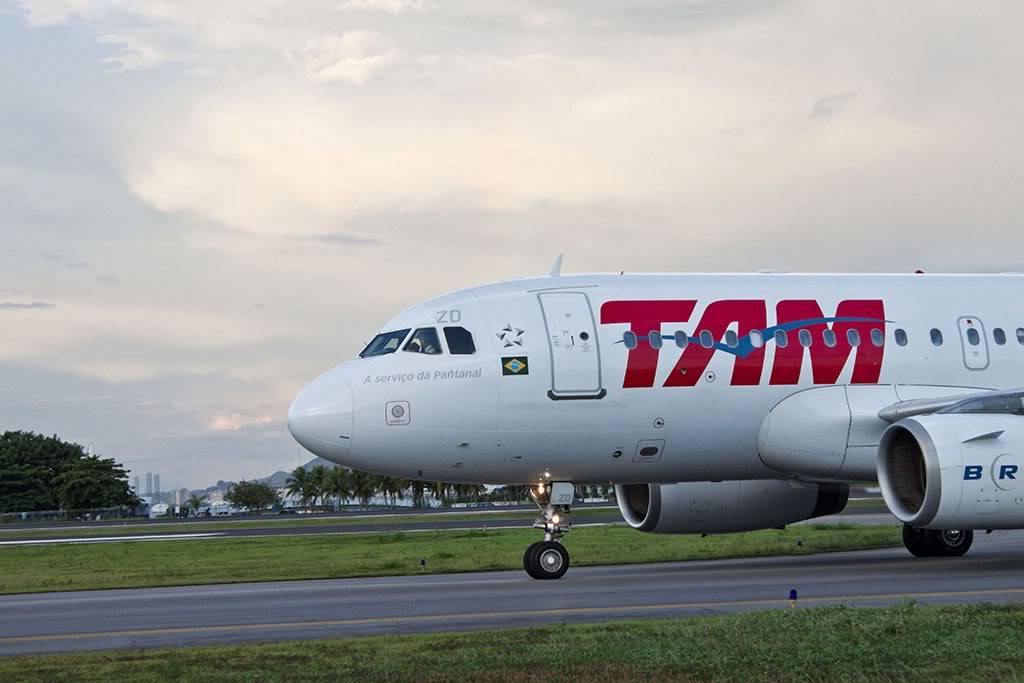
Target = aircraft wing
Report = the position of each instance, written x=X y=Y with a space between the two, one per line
x=1009 y=402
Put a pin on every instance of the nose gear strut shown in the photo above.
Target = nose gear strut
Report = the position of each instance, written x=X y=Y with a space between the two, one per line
x=548 y=559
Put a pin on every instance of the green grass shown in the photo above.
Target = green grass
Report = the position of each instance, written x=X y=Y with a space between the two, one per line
x=25 y=569
x=905 y=643
x=866 y=503
x=138 y=527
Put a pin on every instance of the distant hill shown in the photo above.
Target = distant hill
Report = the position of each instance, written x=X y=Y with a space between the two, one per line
x=279 y=479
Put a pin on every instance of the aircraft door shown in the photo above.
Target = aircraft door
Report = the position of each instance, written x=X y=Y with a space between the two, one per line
x=972 y=337
x=572 y=340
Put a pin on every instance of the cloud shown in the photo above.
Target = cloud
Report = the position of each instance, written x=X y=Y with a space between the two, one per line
x=389 y=6
x=345 y=238
x=41 y=13
x=201 y=157
x=137 y=52
x=354 y=57
x=35 y=305
x=832 y=104
x=233 y=422
x=70 y=264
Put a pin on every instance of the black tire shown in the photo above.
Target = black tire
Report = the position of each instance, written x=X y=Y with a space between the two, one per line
x=530 y=560
x=951 y=542
x=549 y=560
x=918 y=541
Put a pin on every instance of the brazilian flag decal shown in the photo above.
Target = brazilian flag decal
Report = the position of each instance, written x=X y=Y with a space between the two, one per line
x=515 y=365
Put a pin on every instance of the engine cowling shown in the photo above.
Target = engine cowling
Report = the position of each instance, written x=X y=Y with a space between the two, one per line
x=954 y=471
x=726 y=506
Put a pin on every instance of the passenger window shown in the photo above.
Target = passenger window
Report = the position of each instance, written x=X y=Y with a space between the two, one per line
x=756 y=339
x=654 y=339
x=853 y=336
x=999 y=336
x=829 y=337
x=937 y=337
x=805 y=337
x=1020 y=335
x=706 y=340
x=385 y=342
x=901 y=337
x=877 y=338
x=782 y=339
x=731 y=340
x=460 y=341
x=973 y=338
x=682 y=341
x=629 y=339
x=424 y=340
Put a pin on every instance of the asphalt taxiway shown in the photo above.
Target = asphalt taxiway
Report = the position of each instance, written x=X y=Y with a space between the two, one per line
x=193 y=615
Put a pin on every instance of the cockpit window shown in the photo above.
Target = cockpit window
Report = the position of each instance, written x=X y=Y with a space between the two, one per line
x=460 y=341
x=424 y=340
x=384 y=343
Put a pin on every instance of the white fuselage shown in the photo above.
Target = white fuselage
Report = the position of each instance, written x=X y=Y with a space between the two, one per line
x=552 y=388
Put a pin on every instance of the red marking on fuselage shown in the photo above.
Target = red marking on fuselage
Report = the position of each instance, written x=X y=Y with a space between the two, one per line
x=827 y=362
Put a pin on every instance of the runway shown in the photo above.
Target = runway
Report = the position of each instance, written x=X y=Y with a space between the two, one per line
x=55 y=622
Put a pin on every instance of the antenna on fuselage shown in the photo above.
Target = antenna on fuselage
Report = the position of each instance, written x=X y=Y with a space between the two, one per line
x=556 y=267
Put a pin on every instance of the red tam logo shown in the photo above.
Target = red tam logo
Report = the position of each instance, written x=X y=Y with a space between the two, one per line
x=739 y=327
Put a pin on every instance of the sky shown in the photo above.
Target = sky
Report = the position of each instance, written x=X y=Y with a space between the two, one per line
x=203 y=205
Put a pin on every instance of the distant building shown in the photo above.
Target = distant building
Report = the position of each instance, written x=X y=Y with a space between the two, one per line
x=149 y=483
x=221 y=509
x=156 y=483
x=135 y=485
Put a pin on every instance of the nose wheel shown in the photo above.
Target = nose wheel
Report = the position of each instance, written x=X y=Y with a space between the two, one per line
x=548 y=559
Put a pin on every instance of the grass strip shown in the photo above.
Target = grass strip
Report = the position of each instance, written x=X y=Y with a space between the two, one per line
x=138 y=528
x=26 y=569
x=904 y=643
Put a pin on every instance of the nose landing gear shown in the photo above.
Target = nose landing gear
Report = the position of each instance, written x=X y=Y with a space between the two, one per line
x=548 y=559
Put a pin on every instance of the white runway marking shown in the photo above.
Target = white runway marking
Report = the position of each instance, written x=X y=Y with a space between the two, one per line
x=111 y=539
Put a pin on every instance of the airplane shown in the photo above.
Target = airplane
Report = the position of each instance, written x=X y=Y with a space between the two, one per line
x=714 y=403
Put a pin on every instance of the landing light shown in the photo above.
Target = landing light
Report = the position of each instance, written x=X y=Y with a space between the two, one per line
x=555 y=519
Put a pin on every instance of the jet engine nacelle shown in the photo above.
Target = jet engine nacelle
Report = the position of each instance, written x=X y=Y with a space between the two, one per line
x=954 y=471
x=726 y=506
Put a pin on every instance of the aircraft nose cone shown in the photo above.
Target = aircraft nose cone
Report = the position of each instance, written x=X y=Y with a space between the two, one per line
x=320 y=417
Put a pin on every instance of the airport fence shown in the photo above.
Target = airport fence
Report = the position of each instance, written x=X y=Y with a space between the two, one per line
x=89 y=515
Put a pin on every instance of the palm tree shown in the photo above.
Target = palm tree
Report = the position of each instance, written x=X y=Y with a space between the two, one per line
x=195 y=501
x=337 y=485
x=318 y=477
x=515 y=493
x=364 y=485
x=442 y=491
x=419 y=493
x=298 y=485
x=393 y=488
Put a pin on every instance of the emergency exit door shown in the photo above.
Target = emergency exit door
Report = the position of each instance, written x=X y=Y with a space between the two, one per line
x=972 y=337
x=572 y=340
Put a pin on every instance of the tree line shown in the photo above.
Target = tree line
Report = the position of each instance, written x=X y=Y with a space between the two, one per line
x=44 y=473
x=320 y=486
